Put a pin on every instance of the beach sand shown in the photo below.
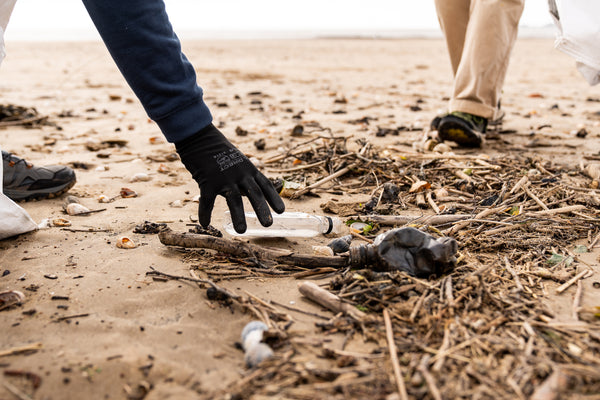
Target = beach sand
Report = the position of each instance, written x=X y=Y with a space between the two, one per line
x=136 y=329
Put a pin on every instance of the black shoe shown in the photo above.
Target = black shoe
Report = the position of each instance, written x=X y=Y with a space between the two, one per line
x=464 y=129
x=23 y=181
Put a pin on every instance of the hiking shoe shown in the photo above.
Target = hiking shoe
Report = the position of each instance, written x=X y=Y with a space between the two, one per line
x=23 y=181
x=464 y=129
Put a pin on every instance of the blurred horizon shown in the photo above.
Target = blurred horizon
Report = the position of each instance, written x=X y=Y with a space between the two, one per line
x=66 y=20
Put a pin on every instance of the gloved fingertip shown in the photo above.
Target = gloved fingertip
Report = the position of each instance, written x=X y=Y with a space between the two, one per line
x=240 y=227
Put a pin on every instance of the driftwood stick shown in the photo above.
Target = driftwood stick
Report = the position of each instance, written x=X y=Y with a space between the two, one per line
x=394 y=355
x=328 y=300
x=241 y=249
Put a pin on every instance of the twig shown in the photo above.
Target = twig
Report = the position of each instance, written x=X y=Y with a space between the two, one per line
x=23 y=349
x=71 y=317
x=15 y=391
x=514 y=274
x=577 y=300
x=519 y=184
x=391 y=220
x=394 y=355
x=560 y=210
x=329 y=300
x=432 y=203
x=331 y=177
x=196 y=280
x=571 y=281
x=422 y=368
x=481 y=215
x=535 y=198
x=298 y=310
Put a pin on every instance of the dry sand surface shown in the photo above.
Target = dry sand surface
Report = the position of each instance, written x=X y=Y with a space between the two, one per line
x=168 y=334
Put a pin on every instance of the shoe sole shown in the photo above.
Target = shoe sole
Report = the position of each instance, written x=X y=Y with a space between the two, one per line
x=456 y=131
x=38 y=195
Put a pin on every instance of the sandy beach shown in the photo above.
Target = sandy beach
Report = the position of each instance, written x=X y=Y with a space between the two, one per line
x=106 y=329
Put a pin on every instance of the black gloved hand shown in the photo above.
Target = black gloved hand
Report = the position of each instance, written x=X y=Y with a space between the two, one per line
x=221 y=169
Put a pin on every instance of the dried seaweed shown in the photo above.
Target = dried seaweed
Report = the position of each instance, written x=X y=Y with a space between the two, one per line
x=481 y=332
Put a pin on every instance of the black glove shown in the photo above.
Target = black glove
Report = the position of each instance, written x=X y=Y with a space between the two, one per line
x=221 y=169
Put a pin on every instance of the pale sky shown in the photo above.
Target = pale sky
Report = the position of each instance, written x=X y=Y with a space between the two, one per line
x=67 y=19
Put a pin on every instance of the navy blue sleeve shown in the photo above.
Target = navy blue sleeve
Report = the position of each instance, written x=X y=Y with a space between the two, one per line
x=148 y=53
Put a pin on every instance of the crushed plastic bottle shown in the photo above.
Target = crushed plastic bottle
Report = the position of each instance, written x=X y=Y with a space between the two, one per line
x=287 y=224
x=407 y=249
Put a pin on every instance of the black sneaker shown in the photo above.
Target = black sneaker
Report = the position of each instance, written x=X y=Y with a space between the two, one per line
x=464 y=129
x=23 y=181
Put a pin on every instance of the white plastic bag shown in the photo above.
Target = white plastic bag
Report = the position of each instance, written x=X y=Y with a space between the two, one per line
x=578 y=23
x=6 y=7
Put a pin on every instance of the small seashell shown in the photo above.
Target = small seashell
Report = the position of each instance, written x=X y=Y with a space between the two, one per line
x=76 y=209
x=255 y=350
x=257 y=354
x=104 y=199
x=442 y=148
x=163 y=169
x=322 y=251
x=252 y=333
x=340 y=245
x=11 y=298
x=176 y=204
x=101 y=168
x=196 y=198
x=140 y=177
x=430 y=144
x=61 y=222
x=126 y=243
x=126 y=193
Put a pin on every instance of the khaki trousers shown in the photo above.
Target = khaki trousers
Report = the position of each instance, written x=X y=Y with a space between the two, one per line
x=480 y=35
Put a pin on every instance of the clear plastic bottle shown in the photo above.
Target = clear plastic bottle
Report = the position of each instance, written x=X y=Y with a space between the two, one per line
x=288 y=224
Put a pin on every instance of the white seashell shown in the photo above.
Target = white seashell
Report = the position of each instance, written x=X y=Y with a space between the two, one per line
x=77 y=209
x=10 y=298
x=176 y=204
x=322 y=251
x=196 y=198
x=101 y=168
x=61 y=222
x=104 y=199
x=140 y=177
x=257 y=354
x=252 y=333
x=126 y=243
x=442 y=148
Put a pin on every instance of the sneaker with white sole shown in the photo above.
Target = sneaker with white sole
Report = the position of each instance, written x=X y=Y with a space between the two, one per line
x=22 y=180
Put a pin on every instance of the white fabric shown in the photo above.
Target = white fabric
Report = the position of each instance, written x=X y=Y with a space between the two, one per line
x=14 y=220
x=6 y=7
x=578 y=24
